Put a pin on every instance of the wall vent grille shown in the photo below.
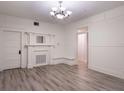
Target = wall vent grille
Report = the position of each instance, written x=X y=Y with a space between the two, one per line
x=40 y=59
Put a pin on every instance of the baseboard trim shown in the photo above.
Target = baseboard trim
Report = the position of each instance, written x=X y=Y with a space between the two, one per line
x=64 y=60
x=106 y=72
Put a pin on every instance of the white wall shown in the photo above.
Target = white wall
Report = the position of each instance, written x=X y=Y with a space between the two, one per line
x=106 y=41
x=21 y=24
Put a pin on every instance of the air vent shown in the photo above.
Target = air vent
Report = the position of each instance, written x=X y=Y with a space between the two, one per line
x=36 y=23
x=40 y=59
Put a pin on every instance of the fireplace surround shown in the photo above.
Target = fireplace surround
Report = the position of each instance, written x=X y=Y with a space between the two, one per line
x=39 y=48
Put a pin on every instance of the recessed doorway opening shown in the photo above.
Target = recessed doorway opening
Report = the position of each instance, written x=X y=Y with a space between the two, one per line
x=82 y=46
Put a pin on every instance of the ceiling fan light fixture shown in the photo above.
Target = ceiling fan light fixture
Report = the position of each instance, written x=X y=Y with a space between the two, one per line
x=69 y=12
x=62 y=8
x=54 y=9
x=60 y=12
x=60 y=16
x=52 y=13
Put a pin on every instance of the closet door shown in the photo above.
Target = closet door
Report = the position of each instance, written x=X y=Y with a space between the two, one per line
x=12 y=49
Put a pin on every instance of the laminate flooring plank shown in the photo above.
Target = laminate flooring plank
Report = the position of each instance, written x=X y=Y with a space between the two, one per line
x=59 y=77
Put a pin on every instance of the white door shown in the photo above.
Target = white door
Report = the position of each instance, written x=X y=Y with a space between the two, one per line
x=11 y=43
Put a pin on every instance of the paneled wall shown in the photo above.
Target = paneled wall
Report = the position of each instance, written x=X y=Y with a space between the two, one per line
x=106 y=41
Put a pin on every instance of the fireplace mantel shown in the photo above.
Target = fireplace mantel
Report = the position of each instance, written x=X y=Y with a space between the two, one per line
x=39 y=49
x=35 y=45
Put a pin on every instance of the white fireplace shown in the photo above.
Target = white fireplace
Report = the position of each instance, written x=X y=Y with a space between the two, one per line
x=39 y=49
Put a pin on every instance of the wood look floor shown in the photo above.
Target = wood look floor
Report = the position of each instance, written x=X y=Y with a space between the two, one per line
x=59 y=77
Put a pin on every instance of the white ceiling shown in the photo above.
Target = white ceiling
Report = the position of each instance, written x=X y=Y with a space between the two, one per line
x=40 y=9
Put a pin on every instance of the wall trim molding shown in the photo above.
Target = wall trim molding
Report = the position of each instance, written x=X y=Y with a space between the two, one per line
x=106 y=72
x=63 y=58
x=69 y=61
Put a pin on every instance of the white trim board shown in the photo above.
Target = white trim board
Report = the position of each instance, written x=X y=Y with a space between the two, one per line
x=24 y=30
x=63 y=60
x=106 y=71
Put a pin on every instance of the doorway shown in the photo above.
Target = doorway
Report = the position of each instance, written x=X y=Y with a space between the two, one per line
x=12 y=49
x=82 y=46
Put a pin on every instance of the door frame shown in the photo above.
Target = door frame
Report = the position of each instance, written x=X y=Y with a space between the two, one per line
x=85 y=32
x=21 y=42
